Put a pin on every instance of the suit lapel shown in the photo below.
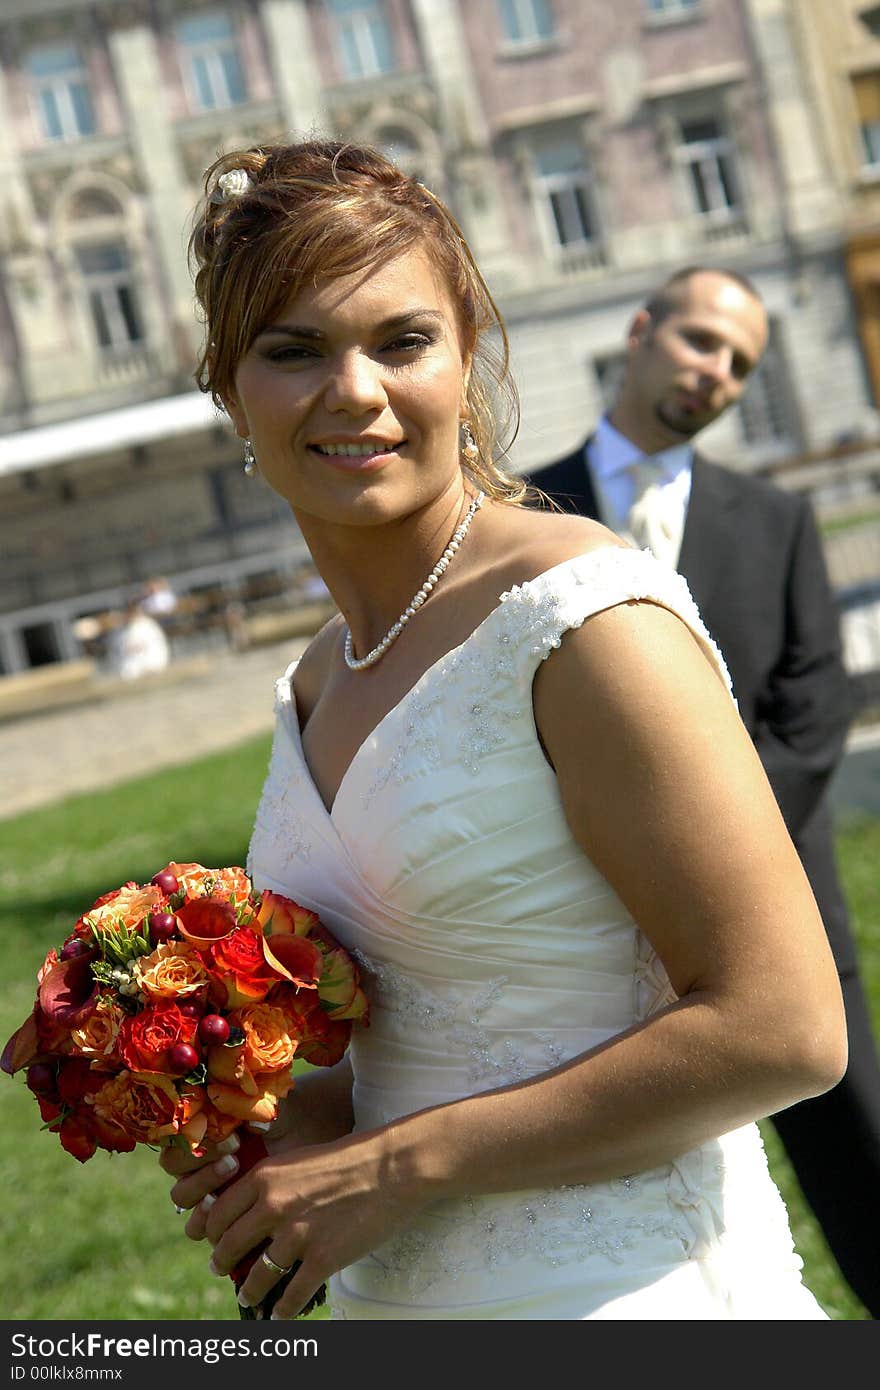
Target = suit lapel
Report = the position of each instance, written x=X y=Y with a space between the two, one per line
x=570 y=482
x=710 y=532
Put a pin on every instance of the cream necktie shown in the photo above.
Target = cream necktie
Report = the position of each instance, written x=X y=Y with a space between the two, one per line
x=655 y=520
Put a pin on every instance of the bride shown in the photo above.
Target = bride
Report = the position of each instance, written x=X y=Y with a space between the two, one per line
x=511 y=778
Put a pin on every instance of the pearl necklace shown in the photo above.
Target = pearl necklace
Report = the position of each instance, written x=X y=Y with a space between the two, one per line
x=360 y=664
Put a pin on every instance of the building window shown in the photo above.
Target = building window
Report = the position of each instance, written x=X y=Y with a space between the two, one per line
x=658 y=9
x=212 y=65
x=565 y=187
x=112 y=299
x=526 y=21
x=866 y=89
x=707 y=156
x=364 y=37
x=61 y=91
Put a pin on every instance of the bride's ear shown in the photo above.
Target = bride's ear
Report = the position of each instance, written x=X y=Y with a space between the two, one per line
x=237 y=416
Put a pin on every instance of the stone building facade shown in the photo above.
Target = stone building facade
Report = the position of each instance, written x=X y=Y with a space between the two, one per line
x=587 y=149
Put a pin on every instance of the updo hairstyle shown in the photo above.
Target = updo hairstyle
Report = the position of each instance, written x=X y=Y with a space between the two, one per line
x=319 y=210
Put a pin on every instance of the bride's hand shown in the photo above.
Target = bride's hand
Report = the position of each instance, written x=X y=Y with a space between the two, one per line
x=324 y=1207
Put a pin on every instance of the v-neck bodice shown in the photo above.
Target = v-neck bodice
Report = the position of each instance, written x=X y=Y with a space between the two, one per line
x=491 y=949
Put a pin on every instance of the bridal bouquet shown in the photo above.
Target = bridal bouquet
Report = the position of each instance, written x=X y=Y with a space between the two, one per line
x=173 y=1011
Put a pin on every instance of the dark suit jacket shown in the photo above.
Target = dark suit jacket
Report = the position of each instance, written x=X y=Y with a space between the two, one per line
x=753 y=560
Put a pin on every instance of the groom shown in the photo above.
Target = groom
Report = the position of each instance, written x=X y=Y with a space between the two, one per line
x=753 y=560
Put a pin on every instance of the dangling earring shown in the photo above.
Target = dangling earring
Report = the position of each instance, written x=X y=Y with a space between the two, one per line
x=466 y=442
x=250 y=463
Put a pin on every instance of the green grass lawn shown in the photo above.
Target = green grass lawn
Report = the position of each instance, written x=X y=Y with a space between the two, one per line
x=101 y=1240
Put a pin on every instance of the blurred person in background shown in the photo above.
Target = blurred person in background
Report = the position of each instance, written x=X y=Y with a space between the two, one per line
x=753 y=559
x=136 y=644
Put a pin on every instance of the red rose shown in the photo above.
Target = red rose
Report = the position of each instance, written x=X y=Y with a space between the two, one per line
x=240 y=969
x=145 y=1039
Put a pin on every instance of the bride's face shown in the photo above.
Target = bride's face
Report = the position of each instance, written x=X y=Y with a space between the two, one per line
x=352 y=397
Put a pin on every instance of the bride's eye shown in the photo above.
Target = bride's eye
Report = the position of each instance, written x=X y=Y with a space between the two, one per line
x=409 y=343
x=291 y=352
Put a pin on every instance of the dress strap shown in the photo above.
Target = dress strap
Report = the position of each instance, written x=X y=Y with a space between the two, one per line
x=536 y=614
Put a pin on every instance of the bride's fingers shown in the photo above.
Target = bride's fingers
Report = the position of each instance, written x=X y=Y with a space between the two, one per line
x=192 y=1187
x=270 y=1266
x=305 y=1282
x=177 y=1161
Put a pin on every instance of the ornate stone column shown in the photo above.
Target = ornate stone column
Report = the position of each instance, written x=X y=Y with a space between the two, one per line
x=809 y=190
x=295 y=67
x=472 y=167
x=157 y=159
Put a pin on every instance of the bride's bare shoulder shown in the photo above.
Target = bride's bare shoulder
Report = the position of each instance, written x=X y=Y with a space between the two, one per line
x=536 y=541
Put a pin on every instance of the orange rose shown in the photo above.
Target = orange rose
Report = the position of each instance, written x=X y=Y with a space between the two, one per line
x=228 y=882
x=97 y=1036
x=173 y=971
x=129 y=906
x=262 y=1107
x=321 y=1040
x=147 y=1108
x=268 y=1045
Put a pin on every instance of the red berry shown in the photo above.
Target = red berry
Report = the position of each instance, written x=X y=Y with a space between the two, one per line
x=183 y=1058
x=41 y=1078
x=73 y=947
x=162 y=925
x=165 y=880
x=190 y=1010
x=214 y=1030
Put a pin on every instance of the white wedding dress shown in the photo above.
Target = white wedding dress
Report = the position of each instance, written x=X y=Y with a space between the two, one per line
x=492 y=949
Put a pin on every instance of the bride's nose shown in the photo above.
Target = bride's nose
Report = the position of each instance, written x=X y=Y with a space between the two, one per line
x=355 y=384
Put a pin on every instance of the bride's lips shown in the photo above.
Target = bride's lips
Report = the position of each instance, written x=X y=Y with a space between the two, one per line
x=356 y=463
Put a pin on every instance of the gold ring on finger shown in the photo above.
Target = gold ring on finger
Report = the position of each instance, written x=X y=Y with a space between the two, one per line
x=275 y=1268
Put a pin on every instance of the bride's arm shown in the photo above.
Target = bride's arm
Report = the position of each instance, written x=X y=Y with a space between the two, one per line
x=664 y=792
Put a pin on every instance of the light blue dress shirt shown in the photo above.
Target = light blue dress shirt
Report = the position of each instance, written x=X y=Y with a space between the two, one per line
x=610 y=456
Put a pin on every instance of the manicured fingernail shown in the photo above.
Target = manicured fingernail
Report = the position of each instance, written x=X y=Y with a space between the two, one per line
x=258 y=1125
x=214 y=1270
x=230 y=1145
x=179 y=1210
x=207 y=1201
x=243 y=1300
x=226 y=1166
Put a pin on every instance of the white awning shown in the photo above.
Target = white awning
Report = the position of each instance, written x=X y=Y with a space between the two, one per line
x=112 y=429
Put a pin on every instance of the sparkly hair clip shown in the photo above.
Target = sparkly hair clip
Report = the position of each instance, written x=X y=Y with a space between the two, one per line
x=230 y=185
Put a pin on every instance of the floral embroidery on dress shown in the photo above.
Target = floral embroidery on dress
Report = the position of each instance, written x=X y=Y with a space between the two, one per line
x=557 y=1226
x=459 y=1019
x=419 y=737
x=279 y=828
x=613 y=574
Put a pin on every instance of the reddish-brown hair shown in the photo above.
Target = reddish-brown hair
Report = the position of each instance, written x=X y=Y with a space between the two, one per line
x=321 y=209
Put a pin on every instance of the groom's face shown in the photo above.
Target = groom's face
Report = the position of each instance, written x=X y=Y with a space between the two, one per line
x=688 y=367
